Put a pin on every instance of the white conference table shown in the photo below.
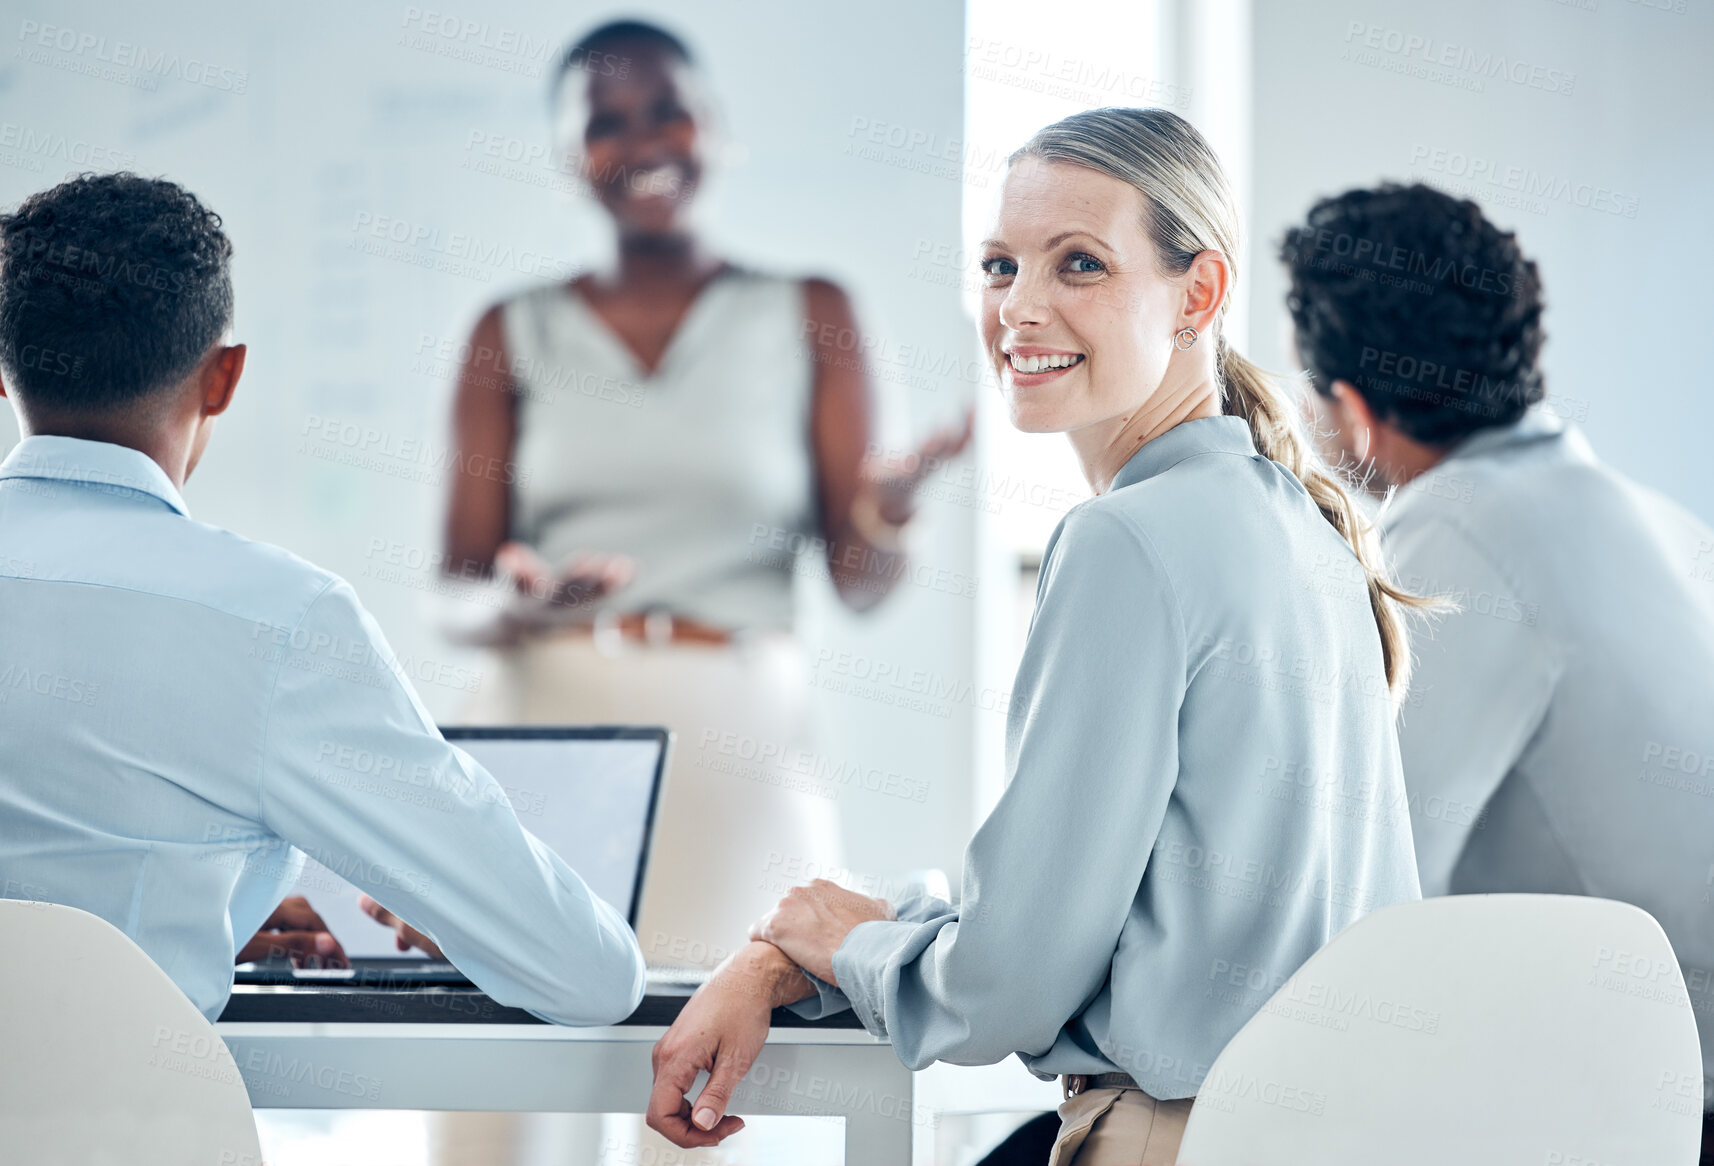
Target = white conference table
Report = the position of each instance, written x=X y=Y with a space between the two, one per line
x=428 y=1051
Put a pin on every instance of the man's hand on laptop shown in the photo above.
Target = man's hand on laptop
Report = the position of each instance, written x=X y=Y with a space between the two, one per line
x=404 y=934
x=295 y=930
x=722 y=1029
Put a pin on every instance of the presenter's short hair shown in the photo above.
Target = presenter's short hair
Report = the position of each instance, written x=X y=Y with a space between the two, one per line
x=599 y=50
x=1421 y=304
x=112 y=288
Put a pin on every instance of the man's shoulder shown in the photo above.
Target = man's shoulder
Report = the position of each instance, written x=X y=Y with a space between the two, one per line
x=223 y=571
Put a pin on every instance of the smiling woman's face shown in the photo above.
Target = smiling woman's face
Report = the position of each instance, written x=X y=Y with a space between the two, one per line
x=633 y=121
x=1076 y=318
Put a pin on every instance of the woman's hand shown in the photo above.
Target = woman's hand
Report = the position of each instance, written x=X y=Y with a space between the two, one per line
x=811 y=922
x=543 y=598
x=721 y=1029
x=404 y=935
x=576 y=582
x=295 y=930
x=546 y=597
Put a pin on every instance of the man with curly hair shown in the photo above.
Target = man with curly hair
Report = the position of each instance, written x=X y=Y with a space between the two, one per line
x=1559 y=735
x=184 y=712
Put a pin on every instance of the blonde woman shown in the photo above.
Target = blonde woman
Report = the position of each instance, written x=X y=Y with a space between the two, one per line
x=1203 y=769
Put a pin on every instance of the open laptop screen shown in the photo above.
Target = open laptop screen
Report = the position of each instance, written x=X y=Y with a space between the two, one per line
x=589 y=793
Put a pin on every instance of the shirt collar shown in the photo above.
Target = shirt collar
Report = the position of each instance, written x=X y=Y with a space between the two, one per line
x=1186 y=440
x=99 y=464
x=1536 y=425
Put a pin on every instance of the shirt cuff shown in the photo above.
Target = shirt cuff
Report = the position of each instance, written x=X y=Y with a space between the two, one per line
x=826 y=1001
x=861 y=967
x=920 y=907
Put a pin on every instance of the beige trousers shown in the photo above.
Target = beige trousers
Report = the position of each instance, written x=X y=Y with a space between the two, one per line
x=1119 y=1127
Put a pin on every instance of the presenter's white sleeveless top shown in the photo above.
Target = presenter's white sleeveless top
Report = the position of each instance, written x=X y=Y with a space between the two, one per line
x=701 y=471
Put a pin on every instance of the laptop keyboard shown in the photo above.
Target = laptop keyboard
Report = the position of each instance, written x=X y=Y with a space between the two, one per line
x=381 y=973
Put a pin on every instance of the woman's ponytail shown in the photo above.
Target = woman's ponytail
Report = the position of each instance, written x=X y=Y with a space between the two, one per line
x=1252 y=394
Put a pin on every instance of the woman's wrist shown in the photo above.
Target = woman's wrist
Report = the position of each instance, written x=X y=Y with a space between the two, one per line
x=879 y=520
x=773 y=972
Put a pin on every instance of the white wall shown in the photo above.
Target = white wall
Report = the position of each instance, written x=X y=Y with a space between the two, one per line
x=325 y=111
x=1628 y=299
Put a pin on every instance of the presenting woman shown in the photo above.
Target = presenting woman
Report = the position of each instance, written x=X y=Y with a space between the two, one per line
x=1203 y=767
x=673 y=429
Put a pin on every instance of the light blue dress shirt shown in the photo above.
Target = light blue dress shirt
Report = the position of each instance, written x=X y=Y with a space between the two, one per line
x=1561 y=735
x=184 y=713
x=1204 y=788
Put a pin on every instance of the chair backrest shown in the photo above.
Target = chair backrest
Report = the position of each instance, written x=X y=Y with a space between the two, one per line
x=1475 y=1029
x=102 y=1059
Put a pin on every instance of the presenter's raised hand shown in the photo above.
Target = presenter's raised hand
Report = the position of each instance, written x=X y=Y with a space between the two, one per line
x=812 y=921
x=721 y=1030
x=295 y=930
x=895 y=480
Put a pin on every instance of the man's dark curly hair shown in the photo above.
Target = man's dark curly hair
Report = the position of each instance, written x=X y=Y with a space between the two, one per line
x=112 y=288
x=1421 y=304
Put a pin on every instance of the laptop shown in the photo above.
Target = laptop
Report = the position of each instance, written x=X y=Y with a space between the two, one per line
x=589 y=792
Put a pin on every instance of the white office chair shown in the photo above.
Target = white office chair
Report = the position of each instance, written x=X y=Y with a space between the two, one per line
x=103 y=1061
x=1474 y=1029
